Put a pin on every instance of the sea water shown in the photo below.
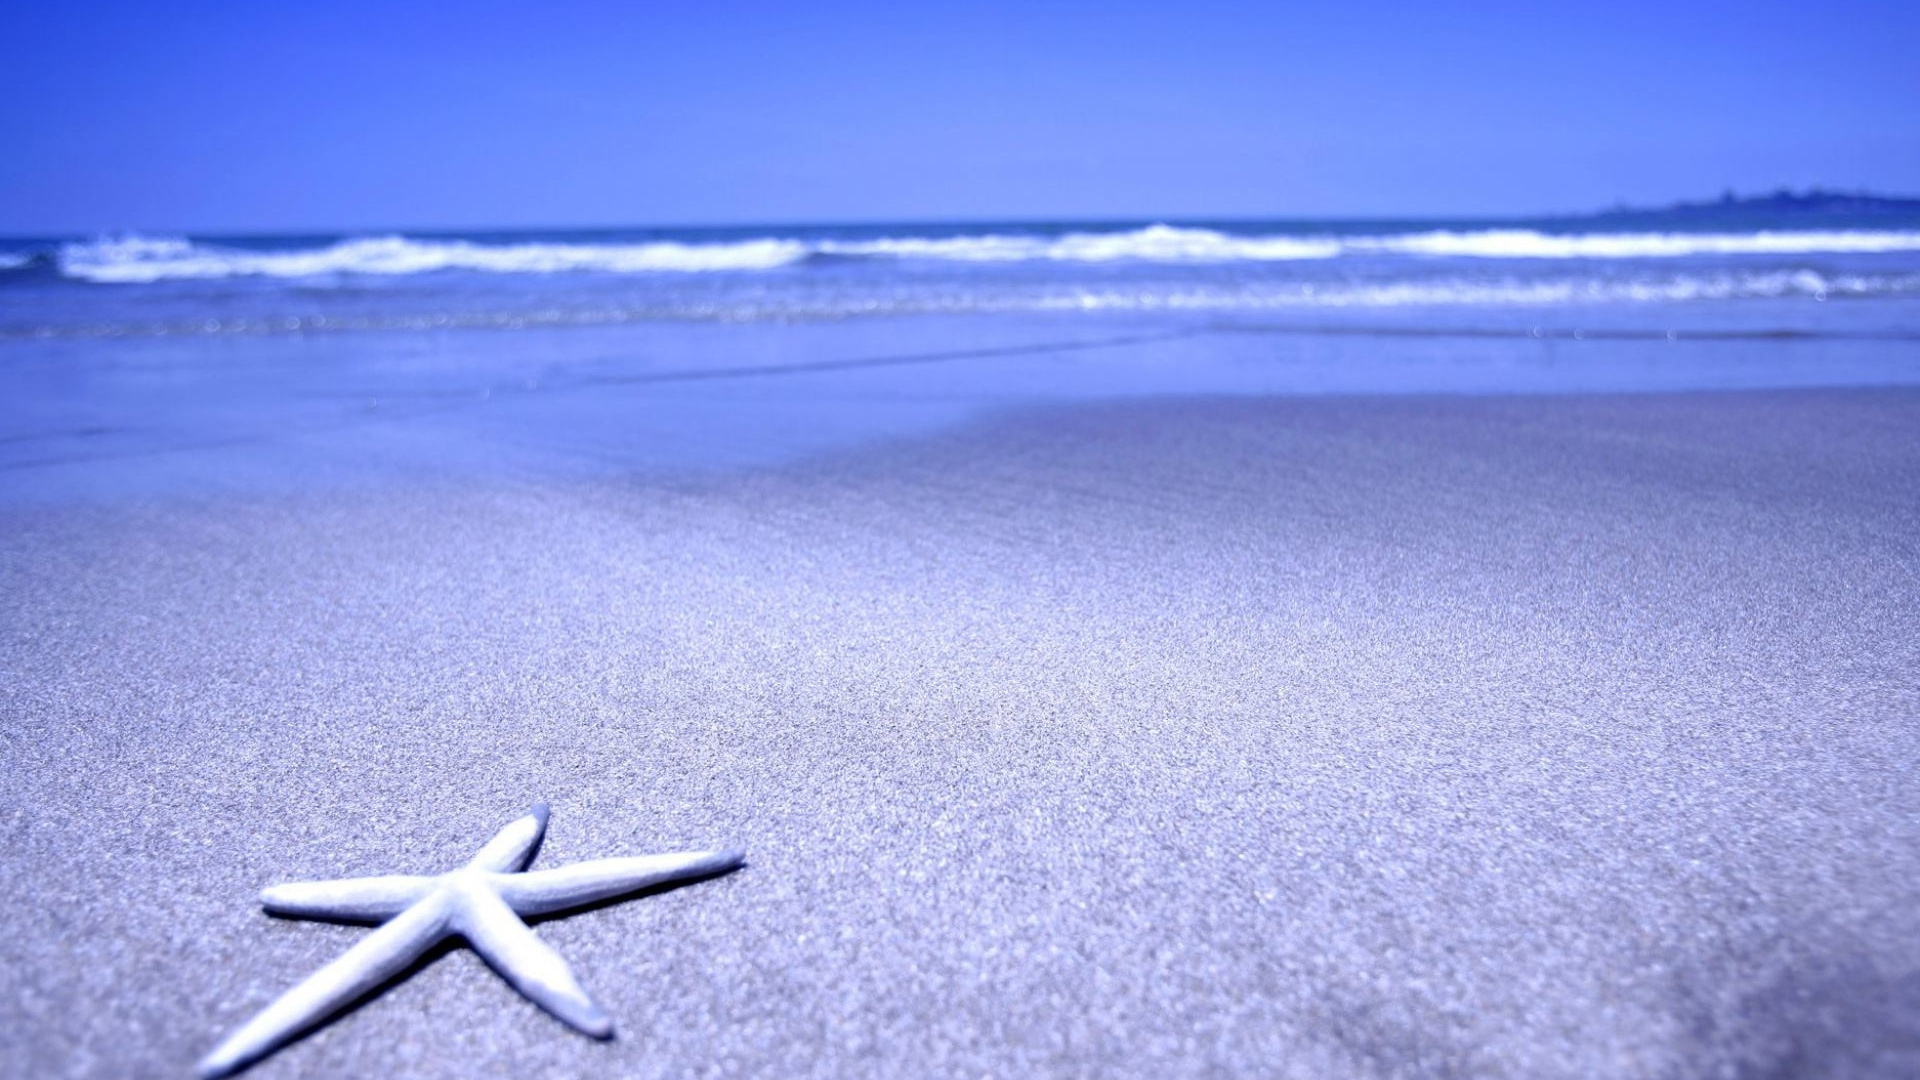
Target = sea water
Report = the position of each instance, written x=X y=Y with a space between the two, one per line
x=144 y=362
x=133 y=285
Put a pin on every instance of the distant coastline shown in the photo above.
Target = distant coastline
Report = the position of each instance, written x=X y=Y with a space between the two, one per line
x=1812 y=204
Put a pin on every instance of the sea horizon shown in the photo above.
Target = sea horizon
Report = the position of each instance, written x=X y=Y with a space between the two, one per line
x=1758 y=207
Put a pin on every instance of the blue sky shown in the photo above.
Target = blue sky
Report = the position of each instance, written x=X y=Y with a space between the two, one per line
x=290 y=115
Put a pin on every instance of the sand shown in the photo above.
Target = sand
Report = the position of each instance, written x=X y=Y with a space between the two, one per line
x=1346 y=737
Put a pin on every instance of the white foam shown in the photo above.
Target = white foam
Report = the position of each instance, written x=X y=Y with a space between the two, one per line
x=143 y=259
x=1457 y=292
x=1170 y=244
x=1155 y=243
x=148 y=259
x=1531 y=244
x=756 y=305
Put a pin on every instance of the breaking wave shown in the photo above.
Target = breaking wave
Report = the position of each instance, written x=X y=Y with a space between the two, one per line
x=1530 y=244
x=140 y=259
x=143 y=259
x=798 y=305
x=1155 y=243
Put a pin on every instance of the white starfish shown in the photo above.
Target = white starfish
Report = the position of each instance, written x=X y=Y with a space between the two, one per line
x=482 y=902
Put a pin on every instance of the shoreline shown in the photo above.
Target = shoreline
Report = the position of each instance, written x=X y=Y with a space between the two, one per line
x=106 y=422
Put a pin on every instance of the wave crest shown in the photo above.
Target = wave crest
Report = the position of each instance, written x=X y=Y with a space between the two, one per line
x=1531 y=244
x=1155 y=243
x=142 y=259
x=138 y=259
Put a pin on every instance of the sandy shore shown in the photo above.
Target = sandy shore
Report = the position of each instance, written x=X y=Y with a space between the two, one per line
x=1318 y=738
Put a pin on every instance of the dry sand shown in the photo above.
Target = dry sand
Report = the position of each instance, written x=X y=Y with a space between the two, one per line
x=1568 y=737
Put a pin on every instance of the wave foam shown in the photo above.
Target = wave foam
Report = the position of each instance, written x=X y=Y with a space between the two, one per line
x=136 y=259
x=1531 y=244
x=1499 y=292
x=1155 y=243
x=760 y=305
x=141 y=259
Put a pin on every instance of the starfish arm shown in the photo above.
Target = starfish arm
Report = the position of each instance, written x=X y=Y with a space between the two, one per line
x=370 y=899
x=530 y=964
x=512 y=847
x=546 y=891
x=378 y=957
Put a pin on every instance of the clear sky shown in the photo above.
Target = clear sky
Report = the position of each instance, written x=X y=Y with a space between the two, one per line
x=282 y=114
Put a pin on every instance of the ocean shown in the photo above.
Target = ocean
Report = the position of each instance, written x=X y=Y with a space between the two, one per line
x=150 y=362
x=133 y=285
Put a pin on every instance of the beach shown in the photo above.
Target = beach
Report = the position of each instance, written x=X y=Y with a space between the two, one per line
x=1073 y=542
x=1225 y=732
x=945 y=542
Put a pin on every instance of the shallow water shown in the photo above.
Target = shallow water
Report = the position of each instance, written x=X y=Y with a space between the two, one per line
x=176 y=365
